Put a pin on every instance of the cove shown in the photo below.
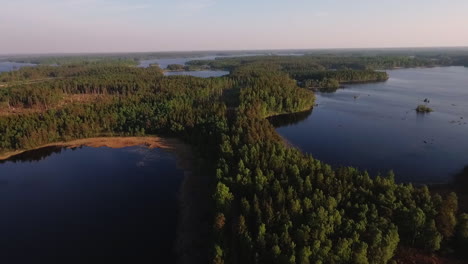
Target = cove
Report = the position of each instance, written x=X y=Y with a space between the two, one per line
x=62 y=205
x=375 y=126
x=7 y=66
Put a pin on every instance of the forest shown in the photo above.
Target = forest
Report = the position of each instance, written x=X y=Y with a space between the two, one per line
x=312 y=71
x=271 y=203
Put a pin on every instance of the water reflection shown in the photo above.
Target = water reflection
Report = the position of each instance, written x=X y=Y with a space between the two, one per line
x=289 y=119
x=327 y=90
x=460 y=182
x=34 y=155
x=459 y=185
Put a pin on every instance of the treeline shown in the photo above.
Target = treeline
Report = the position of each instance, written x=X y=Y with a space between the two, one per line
x=329 y=70
x=71 y=70
x=344 y=76
x=321 y=71
x=329 y=62
x=332 y=79
x=77 y=59
x=125 y=58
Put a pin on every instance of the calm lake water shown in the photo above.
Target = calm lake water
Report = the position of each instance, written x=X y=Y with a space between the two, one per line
x=60 y=204
x=375 y=127
x=6 y=66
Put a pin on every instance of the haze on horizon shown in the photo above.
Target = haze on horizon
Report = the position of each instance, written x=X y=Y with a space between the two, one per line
x=69 y=26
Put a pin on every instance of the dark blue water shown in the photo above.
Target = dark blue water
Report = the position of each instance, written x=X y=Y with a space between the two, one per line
x=71 y=206
x=375 y=127
x=6 y=66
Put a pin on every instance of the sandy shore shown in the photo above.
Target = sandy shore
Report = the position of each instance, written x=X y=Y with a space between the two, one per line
x=170 y=144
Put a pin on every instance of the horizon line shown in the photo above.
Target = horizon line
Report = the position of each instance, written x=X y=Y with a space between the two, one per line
x=227 y=50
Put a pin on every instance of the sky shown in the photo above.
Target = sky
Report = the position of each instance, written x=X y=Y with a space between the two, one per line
x=64 y=26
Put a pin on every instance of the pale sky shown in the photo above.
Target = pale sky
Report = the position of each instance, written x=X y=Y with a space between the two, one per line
x=56 y=26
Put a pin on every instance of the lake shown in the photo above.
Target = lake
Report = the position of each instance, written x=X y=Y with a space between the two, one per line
x=163 y=63
x=61 y=204
x=6 y=66
x=375 y=126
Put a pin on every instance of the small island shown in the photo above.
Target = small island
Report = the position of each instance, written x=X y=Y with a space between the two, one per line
x=424 y=109
x=176 y=67
x=180 y=67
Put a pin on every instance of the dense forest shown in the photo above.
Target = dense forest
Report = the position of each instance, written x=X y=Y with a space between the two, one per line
x=278 y=205
x=312 y=62
x=271 y=203
x=327 y=71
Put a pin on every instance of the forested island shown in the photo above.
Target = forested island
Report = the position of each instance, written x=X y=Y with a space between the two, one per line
x=270 y=203
x=332 y=71
x=423 y=109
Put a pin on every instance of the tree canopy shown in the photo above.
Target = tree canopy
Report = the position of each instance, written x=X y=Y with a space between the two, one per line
x=271 y=203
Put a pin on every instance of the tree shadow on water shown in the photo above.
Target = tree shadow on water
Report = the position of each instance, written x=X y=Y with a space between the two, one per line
x=460 y=182
x=289 y=119
x=34 y=155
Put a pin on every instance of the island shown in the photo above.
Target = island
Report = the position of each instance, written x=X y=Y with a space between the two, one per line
x=423 y=109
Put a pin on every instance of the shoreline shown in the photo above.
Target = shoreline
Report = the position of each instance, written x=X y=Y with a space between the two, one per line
x=151 y=142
